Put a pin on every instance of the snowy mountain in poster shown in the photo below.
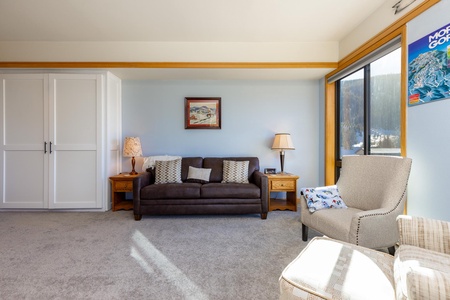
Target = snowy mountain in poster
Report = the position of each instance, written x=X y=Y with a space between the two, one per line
x=429 y=77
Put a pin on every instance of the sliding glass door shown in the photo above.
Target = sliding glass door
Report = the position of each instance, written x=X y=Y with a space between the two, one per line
x=368 y=109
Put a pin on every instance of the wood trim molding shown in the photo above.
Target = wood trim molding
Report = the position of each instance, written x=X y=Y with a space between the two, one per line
x=172 y=65
x=395 y=29
x=381 y=38
x=404 y=95
x=330 y=132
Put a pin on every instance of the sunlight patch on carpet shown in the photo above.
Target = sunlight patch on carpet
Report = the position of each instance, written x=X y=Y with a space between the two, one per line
x=146 y=255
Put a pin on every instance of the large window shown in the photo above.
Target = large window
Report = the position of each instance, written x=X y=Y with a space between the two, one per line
x=368 y=107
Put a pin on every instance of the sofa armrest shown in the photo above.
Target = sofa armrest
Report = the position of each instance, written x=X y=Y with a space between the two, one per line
x=138 y=183
x=262 y=182
x=424 y=233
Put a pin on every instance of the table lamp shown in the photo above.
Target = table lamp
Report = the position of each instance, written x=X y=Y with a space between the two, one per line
x=282 y=142
x=132 y=148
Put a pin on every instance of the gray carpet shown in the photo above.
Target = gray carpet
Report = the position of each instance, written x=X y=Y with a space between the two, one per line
x=87 y=255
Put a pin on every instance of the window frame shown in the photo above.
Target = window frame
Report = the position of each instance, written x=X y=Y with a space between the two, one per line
x=331 y=132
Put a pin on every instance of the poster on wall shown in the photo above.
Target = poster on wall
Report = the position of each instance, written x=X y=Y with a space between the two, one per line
x=429 y=68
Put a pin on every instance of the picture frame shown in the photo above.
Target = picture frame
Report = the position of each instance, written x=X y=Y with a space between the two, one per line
x=270 y=171
x=202 y=113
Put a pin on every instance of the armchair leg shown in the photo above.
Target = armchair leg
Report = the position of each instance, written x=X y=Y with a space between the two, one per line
x=263 y=216
x=137 y=217
x=391 y=250
x=304 y=232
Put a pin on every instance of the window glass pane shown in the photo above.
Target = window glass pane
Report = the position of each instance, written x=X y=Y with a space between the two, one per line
x=385 y=104
x=351 y=112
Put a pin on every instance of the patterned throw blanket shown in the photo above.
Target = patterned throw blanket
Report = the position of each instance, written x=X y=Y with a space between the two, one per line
x=323 y=197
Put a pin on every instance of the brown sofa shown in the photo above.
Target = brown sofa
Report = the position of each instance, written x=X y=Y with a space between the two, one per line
x=213 y=197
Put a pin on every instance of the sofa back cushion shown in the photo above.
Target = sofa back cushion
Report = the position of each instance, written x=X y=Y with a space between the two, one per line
x=216 y=164
x=185 y=163
x=195 y=162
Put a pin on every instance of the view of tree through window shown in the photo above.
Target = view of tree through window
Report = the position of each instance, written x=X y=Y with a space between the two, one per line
x=352 y=113
x=369 y=108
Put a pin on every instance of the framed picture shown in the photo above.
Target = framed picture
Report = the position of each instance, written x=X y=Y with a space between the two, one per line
x=270 y=171
x=202 y=113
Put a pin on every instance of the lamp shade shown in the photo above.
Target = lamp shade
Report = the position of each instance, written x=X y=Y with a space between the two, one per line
x=132 y=147
x=283 y=141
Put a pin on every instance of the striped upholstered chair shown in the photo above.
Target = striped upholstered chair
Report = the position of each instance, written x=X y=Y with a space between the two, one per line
x=332 y=269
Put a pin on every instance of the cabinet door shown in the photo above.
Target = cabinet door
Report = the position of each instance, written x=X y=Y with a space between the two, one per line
x=23 y=132
x=75 y=134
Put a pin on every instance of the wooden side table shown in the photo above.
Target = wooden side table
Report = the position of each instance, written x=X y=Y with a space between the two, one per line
x=120 y=185
x=283 y=183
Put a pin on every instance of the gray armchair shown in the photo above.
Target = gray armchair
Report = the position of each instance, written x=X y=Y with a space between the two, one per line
x=374 y=189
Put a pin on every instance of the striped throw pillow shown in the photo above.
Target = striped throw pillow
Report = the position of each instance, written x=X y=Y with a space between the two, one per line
x=235 y=171
x=168 y=171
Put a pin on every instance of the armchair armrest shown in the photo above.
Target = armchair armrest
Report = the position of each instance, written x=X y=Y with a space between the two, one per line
x=375 y=228
x=424 y=233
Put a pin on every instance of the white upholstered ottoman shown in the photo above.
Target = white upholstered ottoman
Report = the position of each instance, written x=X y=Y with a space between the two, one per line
x=331 y=269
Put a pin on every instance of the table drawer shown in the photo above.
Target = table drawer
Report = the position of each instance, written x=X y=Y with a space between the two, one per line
x=123 y=186
x=283 y=185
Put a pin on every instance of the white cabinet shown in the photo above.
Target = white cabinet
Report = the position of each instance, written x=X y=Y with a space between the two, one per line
x=60 y=138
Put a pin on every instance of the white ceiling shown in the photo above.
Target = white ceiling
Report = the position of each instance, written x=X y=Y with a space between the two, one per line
x=230 y=21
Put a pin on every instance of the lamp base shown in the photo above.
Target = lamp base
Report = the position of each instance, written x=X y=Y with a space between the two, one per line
x=282 y=161
x=133 y=162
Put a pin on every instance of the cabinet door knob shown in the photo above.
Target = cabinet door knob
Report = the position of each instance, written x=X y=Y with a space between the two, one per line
x=45 y=147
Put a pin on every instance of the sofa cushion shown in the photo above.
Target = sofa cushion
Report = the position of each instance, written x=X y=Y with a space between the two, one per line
x=421 y=273
x=171 y=191
x=168 y=171
x=216 y=164
x=235 y=171
x=230 y=190
x=198 y=175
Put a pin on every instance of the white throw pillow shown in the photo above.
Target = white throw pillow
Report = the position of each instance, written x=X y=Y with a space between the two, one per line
x=168 y=171
x=200 y=175
x=235 y=171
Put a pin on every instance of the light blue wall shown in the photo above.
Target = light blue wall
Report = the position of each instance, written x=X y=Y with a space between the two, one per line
x=428 y=137
x=252 y=112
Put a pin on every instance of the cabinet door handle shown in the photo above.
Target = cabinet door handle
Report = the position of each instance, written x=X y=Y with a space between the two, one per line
x=50 y=147
x=45 y=147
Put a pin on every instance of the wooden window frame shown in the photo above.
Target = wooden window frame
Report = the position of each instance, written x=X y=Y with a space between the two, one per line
x=396 y=29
